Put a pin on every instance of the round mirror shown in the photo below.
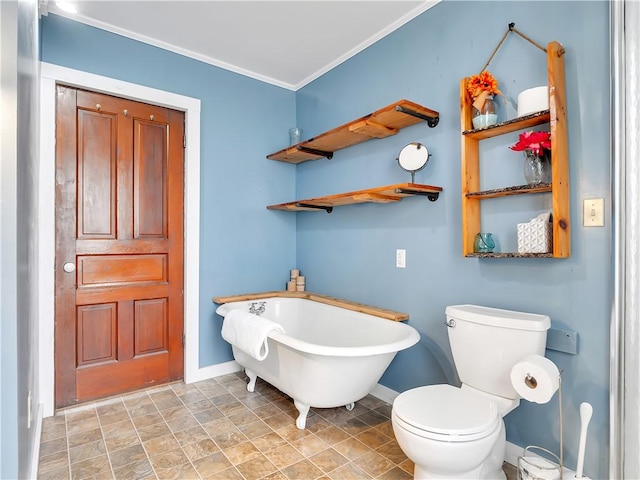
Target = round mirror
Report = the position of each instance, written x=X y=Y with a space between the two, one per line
x=413 y=158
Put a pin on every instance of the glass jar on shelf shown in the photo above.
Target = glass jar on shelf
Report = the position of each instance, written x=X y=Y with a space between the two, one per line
x=486 y=115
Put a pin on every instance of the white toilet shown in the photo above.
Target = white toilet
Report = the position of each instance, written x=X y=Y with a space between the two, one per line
x=457 y=433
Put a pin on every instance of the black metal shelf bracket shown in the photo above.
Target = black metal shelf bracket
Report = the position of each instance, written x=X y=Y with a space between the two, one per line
x=432 y=196
x=431 y=121
x=315 y=151
x=316 y=207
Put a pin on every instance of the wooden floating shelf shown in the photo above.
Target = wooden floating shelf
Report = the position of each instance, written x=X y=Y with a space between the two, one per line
x=509 y=255
x=386 y=194
x=380 y=124
x=520 y=123
x=507 y=191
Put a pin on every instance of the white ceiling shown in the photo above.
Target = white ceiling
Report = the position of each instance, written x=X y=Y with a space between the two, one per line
x=286 y=43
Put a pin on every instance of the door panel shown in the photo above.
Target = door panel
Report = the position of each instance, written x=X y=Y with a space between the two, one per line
x=150 y=318
x=115 y=377
x=150 y=181
x=97 y=271
x=119 y=219
x=96 y=175
x=96 y=332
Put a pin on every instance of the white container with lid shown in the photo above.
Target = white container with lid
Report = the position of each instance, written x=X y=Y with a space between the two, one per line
x=533 y=100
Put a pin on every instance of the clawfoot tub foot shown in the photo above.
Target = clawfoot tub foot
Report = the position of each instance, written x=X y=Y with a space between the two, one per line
x=303 y=409
x=251 y=386
x=349 y=406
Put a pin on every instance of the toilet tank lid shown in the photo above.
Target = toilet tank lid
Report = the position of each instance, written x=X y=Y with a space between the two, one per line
x=499 y=317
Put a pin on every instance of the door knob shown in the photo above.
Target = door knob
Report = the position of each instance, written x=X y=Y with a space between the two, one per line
x=69 y=267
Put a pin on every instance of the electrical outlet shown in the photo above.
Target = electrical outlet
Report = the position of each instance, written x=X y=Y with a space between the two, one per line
x=593 y=212
x=401 y=258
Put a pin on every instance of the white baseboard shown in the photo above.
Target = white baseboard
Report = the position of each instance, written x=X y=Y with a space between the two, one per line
x=385 y=394
x=513 y=452
x=35 y=448
x=213 y=371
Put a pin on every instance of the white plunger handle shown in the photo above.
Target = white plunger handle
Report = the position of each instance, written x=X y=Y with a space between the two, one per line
x=586 y=410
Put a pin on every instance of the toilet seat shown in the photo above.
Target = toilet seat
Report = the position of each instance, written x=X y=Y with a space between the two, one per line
x=446 y=413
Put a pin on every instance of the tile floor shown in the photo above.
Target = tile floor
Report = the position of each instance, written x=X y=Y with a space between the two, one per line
x=215 y=429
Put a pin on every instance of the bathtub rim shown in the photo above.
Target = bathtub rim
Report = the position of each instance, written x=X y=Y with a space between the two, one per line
x=316 y=297
x=410 y=338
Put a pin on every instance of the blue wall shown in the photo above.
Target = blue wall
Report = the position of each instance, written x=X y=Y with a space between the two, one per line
x=351 y=252
x=243 y=246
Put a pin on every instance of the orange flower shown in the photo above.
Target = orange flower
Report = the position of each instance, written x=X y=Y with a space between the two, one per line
x=482 y=82
x=480 y=86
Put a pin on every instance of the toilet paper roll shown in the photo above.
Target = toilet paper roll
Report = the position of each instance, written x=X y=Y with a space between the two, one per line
x=535 y=378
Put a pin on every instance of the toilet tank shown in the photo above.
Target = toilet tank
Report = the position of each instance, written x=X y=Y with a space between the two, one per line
x=487 y=342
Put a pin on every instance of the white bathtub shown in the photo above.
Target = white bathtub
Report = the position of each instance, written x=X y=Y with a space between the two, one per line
x=329 y=356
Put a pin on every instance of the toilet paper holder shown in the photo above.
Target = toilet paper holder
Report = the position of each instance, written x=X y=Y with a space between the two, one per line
x=537 y=467
x=530 y=381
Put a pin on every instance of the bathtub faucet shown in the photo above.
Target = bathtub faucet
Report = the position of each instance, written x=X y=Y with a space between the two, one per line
x=257 y=307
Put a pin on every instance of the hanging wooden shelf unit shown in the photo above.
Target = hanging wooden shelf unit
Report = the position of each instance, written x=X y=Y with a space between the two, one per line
x=556 y=118
x=380 y=124
x=386 y=194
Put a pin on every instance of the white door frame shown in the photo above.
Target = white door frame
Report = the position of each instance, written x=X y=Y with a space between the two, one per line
x=50 y=75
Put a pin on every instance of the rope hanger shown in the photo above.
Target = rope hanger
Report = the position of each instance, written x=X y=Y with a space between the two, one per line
x=511 y=28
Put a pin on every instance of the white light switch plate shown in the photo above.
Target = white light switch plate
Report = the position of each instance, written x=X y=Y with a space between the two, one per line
x=593 y=212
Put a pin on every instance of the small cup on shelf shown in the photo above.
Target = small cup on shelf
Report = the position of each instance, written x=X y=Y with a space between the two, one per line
x=295 y=134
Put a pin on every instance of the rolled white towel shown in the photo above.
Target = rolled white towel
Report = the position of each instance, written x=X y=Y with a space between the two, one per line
x=249 y=332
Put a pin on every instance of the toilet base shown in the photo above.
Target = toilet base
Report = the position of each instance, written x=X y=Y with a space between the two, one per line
x=479 y=473
x=490 y=470
x=445 y=464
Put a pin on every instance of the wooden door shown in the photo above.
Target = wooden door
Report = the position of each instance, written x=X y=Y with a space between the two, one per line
x=119 y=245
